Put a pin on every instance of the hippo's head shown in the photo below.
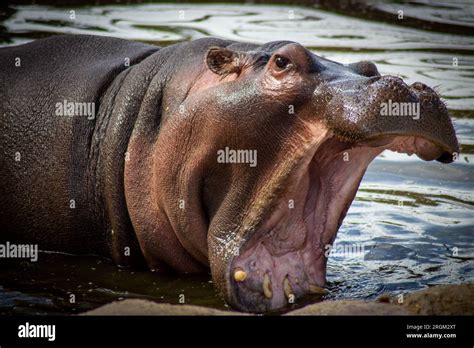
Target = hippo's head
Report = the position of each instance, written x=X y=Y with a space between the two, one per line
x=267 y=146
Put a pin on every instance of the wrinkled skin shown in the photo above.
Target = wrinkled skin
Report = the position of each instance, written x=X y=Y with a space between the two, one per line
x=148 y=177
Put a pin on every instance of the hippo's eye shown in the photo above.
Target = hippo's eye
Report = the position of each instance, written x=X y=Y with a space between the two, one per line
x=281 y=62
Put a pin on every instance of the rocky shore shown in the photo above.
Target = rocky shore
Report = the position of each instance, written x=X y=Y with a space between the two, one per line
x=438 y=300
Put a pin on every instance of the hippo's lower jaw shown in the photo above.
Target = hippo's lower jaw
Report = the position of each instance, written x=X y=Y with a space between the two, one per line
x=285 y=258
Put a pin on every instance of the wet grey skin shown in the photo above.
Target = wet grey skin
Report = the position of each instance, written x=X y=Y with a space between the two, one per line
x=140 y=182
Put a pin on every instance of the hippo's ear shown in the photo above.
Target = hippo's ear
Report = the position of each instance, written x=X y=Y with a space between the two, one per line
x=223 y=61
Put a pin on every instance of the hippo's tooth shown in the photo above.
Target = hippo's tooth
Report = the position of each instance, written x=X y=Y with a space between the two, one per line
x=240 y=275
x=314 y=289
x=287 y=288
x=267 y=286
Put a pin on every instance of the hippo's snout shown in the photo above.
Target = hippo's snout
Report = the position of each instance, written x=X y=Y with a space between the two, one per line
x=412 y=118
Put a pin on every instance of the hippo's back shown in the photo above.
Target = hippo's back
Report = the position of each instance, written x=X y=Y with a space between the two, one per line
x=50 y=93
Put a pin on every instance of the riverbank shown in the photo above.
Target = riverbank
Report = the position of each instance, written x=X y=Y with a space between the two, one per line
x=438 y=300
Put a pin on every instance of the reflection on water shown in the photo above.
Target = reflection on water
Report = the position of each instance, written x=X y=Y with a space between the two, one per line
x=46 y=287
x=414 y=219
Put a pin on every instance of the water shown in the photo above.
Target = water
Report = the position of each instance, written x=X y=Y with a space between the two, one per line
x=414 y=219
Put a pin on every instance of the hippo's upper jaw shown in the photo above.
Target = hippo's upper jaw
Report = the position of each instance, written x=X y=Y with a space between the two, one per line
x=274 y=248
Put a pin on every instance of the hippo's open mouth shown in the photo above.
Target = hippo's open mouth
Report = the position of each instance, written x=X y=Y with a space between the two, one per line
x=285 y=258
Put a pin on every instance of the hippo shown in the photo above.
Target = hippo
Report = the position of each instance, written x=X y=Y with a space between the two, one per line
x=210 y=155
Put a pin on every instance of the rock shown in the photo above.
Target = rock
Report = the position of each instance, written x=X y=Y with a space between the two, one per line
x=442 y=300
x=438 y=300
x=350 y=307
x=146 y=307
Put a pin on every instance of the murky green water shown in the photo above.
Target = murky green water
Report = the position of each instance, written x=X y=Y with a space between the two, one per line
x=414 y=218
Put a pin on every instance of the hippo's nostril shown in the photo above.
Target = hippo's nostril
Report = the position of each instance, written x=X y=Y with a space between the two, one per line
x=364 y=68
x=392 y=80
x=419 y=86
